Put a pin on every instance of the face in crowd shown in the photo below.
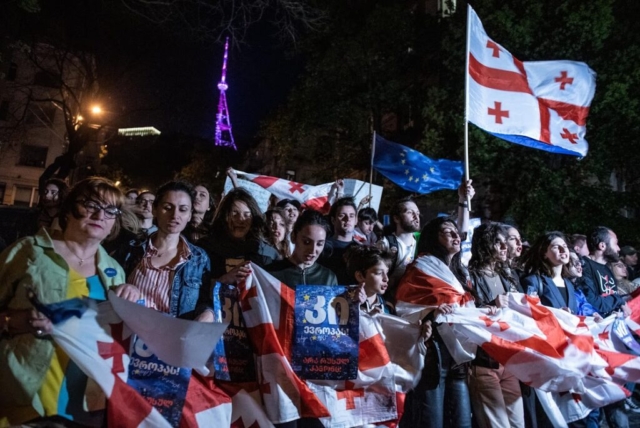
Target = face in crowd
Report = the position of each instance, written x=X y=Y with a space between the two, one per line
x=96 y=217
x=309 y=245
x=345 y=220
x=514 y=243
x=173 y=212
x=202 y=200
x=409 y=218
x=574 y=267
x=51 y=196
x=557 y=253
x=239 y=220
x=449 y=238
x=375 y=279
x=292 y=213
x=145 y=205
x=278 y=227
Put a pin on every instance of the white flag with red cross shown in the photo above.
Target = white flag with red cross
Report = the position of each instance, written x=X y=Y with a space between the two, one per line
x=543 y=104
x=98 y=341
x=314 y=197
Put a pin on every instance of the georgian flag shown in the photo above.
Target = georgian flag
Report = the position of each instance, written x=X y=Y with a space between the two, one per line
x=96 y=338
x=542 y=104
x=313 y=197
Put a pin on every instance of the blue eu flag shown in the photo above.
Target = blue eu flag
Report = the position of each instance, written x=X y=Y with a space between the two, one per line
x=412 y=170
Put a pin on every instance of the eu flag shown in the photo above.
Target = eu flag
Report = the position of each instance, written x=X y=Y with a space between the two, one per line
x=413 y=171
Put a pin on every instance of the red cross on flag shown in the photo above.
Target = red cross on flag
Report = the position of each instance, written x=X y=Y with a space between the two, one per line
x=314 y=197
x=542 y=104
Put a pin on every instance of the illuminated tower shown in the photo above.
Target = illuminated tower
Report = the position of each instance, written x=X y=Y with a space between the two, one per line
x=224 y=137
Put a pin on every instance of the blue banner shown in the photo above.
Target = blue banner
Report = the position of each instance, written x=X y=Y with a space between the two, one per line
x=162 y=385
x=233 y=355
x=327 y=323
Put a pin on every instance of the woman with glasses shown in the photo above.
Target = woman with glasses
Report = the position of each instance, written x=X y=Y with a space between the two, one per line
x=38 y=380
x=173 y=275
x=495 y=393
x=237 y=237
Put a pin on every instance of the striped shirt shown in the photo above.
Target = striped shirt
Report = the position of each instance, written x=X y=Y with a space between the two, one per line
x=155 y=283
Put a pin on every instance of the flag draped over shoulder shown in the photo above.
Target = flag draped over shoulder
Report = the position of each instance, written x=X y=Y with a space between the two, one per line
x=542 y=105
x=96 y=338
x=313 y=197
x=414 y=171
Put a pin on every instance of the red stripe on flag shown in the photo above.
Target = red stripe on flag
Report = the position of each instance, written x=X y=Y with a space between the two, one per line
x=494 y=78
x=125 y=407
x=421 y=289
x=545 y=121
x=265 y=181
x=614 y=359
x=285 y=332
x=567 y=111
x=202 y=394
x=372 y=354
x=320 y=204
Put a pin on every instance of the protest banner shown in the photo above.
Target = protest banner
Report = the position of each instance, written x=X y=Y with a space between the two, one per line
x=326 y=332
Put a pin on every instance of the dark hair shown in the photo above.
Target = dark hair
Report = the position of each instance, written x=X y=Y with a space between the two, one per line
x=310 y=218
x=63 y=189
x=399 y=205
x=577 y=239
x=283 y=247
x=359 y=258
x=283 y=203
x=429 y=242
x=598 y=235
x=342 y=202
x=220 y=219
x=97 y=189
x=207 y=218
x=173 y=186
x=132 y=190
x=483 y=244
x=369 y=214
x=535 y=262
x=146 y=192
x=565 y=268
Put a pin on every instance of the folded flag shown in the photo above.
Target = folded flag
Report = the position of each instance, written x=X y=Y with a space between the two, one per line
x=414 y=171
x=542 y=105
x=314 y=197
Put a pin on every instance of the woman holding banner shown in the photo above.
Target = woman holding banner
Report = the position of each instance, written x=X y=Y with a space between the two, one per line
x=435 y=283
x=38 y=380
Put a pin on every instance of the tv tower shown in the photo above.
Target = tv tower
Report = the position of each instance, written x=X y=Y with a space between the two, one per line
x=224 y=137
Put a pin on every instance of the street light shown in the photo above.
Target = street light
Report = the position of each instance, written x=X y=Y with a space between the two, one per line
x=96 y=110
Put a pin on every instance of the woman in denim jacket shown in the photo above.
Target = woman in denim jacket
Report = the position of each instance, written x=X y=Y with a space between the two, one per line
x=173 y=276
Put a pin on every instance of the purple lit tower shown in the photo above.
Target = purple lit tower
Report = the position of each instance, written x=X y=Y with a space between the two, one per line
x=224 y=137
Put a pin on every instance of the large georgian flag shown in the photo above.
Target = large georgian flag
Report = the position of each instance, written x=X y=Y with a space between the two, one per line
x=314 y=197
x=97 y=339
x=543 y=104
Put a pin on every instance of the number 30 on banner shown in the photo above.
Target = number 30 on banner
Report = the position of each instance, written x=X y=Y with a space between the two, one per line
x=337 y=307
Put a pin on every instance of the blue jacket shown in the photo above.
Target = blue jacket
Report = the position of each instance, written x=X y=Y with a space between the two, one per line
x=191 y=291
x=549 y=293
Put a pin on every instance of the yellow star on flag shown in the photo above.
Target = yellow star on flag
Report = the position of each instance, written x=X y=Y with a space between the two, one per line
x=306 y=297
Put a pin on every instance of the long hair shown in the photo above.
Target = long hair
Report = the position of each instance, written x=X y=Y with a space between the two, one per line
x=97 y=189
x=535 y=262
x=283 y=247
x=63 y=190
x=429 y=243
x=483 y=252
x=220 y=220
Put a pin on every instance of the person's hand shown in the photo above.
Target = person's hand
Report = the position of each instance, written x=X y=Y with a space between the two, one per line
x=465 y=191
x=597 y=317
x=502 y=301
x=236 y=275
x=442 y=310
x=128 y=292
x=232 y=173
x=206 y=316
x=492 y=310
x=626 y=311
x=426 y=330
x=29 y=321
x=362 y=295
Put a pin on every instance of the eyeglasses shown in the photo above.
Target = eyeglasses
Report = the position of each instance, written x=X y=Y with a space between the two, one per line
x=143 y=202
x=93 y=207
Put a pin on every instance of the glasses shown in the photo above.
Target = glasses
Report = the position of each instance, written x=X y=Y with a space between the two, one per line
x=93 y=207
x=143 y=202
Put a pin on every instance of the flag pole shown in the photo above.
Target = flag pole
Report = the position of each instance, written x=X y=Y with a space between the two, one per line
x=466 y=105
x=373 y=152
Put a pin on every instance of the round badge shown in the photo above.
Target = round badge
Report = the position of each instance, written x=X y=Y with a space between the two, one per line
x=110 y=272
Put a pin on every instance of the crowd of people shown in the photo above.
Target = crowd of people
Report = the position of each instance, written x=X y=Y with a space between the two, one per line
x=166 y=248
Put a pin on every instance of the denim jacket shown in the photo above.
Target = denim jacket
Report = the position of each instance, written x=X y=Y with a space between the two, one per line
x=191 y=289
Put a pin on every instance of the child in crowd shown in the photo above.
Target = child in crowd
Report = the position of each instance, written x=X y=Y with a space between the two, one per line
x=363 y=233
x=370 y=267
